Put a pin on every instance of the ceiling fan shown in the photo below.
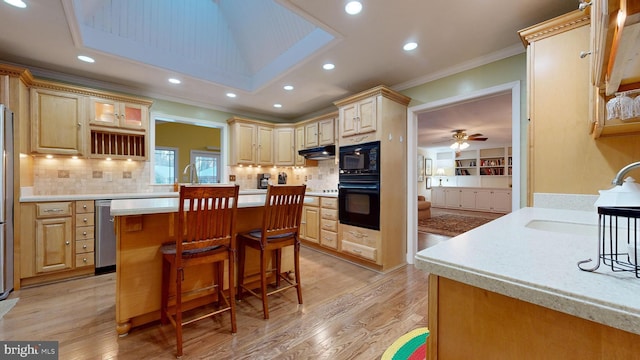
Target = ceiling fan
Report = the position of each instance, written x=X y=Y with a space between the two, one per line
x=460 y=139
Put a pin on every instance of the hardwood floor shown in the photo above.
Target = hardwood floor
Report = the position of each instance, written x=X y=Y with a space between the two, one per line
x=349 y=312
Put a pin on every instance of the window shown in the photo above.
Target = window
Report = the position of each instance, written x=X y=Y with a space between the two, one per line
x=165 y=167
x=207 y=166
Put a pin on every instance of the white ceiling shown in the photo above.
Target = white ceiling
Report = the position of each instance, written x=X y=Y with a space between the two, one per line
x=164 y=38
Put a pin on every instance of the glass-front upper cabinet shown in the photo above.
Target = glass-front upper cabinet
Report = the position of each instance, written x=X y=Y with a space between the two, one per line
x=111 y=113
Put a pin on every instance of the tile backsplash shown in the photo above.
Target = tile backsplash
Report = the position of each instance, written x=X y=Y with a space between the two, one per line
x=66 y=176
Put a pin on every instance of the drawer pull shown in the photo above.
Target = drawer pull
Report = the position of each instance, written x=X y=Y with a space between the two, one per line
x=84 y=260
x=357 y=234
x=84 y=206
x=85 y=220
x=84 y=246
x=56 y=210
x=356 y=251
x=84 y=233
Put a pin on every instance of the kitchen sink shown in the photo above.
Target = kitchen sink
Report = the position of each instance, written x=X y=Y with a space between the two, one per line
x=564 y=227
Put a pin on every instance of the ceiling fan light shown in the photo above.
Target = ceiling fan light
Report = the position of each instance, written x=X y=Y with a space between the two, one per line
x=464 y=145
x=454 y=146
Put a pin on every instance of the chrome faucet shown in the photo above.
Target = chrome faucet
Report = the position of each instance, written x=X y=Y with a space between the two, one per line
x=193 y=173
x=620 y=175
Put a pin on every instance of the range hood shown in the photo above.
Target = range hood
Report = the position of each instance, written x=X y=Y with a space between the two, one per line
x=319 y=153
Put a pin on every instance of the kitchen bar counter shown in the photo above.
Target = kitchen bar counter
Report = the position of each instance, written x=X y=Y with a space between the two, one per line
x=142 y=226
x=529 y=257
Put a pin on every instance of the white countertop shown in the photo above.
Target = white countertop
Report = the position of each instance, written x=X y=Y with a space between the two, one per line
x=123 y=207
x=147 y=195
x=540 y=266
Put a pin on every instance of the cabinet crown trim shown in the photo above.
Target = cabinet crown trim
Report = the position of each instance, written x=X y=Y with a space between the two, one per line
x=52 y=85
x=554 y=26
x=378 y=90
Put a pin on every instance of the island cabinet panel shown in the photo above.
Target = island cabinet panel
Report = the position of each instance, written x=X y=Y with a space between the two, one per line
x=139 y=266
x=53 y=244
x=494 y=326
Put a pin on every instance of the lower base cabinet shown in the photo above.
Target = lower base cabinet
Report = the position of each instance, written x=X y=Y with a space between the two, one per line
x=475 y=199
x=56 y=241
x=360 y=242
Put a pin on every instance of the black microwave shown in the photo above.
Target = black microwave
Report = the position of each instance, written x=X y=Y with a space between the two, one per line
x=361 y=159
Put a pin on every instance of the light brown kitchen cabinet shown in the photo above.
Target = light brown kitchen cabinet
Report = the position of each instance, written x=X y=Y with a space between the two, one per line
x=299 y=139
x=112 y=113
x=362 y=116
x=57 y=122
x=285 y=150
x=56 y=238
x=329 y=222
x=310 y=221
x=320 y=131
x=615 y=31
x=251 y=142
x=361 y=242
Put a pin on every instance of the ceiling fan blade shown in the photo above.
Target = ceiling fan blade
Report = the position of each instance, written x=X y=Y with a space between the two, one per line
x=478 y=139
x=475 y=135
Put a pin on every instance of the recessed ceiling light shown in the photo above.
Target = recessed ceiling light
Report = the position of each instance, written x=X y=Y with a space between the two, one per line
x=288 y=87
x=86 y=59
x=174 y=81
x=17 y=3
x=277 y=105
x=410 y=46
x=231 y=95
x=353 y=7
x=328 y=66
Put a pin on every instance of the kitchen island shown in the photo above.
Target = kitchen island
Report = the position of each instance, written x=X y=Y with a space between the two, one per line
x=512 y=289
x=141 y=226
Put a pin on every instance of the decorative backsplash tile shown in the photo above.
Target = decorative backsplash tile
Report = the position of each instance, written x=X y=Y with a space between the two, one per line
x=66 y=176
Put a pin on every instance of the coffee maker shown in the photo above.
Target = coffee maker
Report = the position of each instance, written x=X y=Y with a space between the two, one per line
x=263 y=180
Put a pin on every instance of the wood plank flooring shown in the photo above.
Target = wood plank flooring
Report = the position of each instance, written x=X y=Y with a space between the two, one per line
x=349 y=312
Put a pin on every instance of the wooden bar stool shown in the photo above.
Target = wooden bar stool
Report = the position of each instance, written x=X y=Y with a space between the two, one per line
x=280 y=228
x=205 y=234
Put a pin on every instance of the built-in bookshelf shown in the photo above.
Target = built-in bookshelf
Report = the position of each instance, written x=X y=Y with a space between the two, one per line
x=484 y=162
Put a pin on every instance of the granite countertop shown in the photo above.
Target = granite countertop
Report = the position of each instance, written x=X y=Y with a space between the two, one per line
x=540 y=266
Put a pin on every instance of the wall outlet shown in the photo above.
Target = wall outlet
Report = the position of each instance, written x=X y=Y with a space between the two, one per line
x=232 y=178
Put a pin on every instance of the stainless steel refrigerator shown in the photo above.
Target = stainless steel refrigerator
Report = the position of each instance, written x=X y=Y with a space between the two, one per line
x=6 y=206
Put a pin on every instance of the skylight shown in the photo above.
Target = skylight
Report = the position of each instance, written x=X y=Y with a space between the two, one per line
x=240 y=44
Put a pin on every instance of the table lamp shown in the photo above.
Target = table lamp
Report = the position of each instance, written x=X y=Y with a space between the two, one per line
x=440 y=172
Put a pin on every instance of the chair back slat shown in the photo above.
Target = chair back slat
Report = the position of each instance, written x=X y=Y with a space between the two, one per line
x=283 y=211
x=205 y=217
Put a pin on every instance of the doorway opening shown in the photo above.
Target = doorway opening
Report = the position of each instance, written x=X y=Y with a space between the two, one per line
x=413 y=115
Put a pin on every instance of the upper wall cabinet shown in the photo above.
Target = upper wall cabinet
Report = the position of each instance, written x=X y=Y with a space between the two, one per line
x=615 y=67
x=320 y=130
x=73 y=120
x=105 y=112
x=57 y=124
x=251 y=142
x=363 y=116
x=284 y=143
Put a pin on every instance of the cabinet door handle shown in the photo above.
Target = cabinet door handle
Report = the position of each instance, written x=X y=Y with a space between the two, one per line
x=85 y=219
x=79 y=125
x=53 y=210
x=84 y=246
x=66 y=243
x=84 y=233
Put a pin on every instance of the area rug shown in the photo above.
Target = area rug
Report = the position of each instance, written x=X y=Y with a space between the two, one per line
x=6 y=305
x=410 y=346
x=450 y=224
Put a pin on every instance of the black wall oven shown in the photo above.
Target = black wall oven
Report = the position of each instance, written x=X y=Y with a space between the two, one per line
x=359 y=185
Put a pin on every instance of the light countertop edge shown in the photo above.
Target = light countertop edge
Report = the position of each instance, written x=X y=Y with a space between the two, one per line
x=539 y=267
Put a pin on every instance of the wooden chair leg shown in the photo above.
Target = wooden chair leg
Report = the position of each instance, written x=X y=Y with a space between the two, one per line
x=164 y=292
x=232 y=295
x=219 y=269
x=277 y=258
x=263 y=282
x=241 y=257
x=296 y=261
x=178 y=316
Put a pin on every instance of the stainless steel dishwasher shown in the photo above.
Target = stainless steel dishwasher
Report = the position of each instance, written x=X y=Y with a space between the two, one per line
x=105 y=238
